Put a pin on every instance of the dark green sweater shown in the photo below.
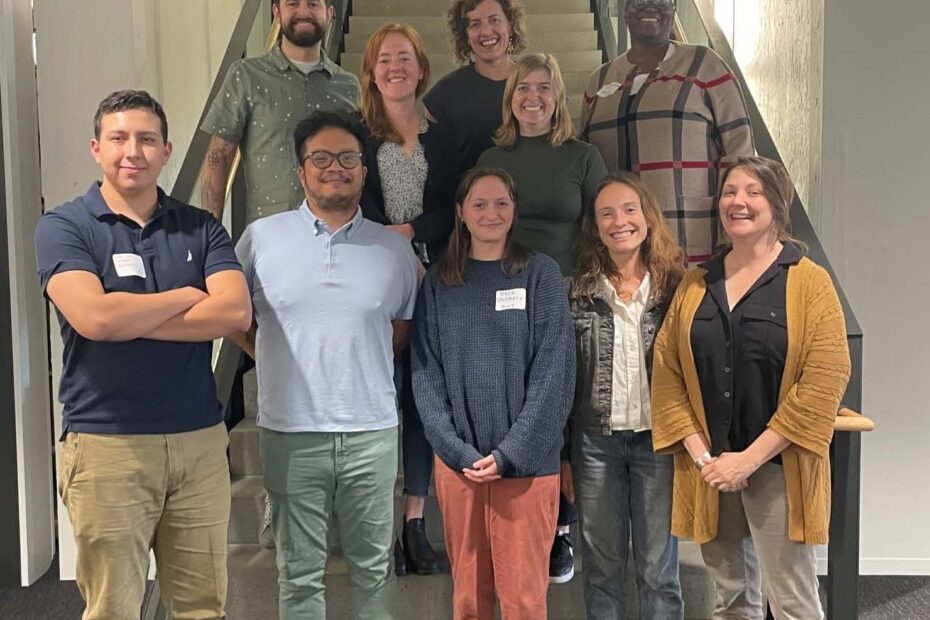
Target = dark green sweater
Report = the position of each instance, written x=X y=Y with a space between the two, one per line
x=553 y=186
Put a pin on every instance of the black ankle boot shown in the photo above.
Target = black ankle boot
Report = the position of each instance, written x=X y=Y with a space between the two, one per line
x=421 y=559
x=400 y=563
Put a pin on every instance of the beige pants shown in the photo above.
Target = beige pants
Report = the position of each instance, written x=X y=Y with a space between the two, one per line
x=752 y=555
x=127 y=494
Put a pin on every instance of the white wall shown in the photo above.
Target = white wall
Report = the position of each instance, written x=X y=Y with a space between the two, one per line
x=778 y=45
x=875 y=225
x=30 y=398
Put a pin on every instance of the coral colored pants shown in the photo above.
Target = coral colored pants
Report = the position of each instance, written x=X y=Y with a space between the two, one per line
x=498 y=535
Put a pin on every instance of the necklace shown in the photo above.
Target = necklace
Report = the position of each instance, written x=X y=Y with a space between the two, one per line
x=624 y=287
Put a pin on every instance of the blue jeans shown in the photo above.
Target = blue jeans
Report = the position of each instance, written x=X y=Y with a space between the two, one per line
x=417 y=453
x=621 y=488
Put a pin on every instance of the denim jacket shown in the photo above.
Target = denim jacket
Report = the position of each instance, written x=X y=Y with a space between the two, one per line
x=594 y=346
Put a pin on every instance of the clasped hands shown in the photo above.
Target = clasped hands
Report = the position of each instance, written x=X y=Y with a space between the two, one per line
x=728 y=472
x=483 y=470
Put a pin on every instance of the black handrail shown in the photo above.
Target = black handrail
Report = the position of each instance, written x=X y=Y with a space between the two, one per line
x=334 y=45
x=606 y=39
x=845 y=450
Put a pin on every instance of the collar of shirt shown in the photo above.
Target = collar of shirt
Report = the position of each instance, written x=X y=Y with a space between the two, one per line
x=715 y=278
x=320 y=227
x=98 y=207
x=790 y=255
x=283 y=64
x=618 y=305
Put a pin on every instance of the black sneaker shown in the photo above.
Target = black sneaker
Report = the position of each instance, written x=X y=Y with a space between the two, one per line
x=561 y=559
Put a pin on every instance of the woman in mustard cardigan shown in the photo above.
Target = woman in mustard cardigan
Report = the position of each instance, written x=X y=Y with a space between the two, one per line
x=750 y=367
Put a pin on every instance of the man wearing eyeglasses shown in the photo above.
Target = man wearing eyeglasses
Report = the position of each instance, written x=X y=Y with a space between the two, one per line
x=333 y=294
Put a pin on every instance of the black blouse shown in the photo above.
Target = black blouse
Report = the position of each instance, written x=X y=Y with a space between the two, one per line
x=740 y=354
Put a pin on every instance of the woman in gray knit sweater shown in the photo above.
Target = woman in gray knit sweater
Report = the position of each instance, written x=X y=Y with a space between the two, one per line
x=493 y=371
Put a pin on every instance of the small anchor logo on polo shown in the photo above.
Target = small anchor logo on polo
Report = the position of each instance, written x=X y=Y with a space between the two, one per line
x=189 y=257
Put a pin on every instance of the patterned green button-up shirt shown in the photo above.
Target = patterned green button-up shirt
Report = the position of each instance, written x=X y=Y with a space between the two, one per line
x=258 y=107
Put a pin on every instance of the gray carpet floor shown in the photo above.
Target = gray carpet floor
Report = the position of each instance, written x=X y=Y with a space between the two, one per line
x=880 y=598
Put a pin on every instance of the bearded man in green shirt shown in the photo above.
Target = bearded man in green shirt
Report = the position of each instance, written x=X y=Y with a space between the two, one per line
x=260 y=104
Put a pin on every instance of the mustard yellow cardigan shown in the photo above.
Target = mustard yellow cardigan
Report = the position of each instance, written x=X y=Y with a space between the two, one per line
x=817 y=369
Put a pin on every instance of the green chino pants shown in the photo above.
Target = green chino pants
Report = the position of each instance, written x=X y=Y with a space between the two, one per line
x=313 y=477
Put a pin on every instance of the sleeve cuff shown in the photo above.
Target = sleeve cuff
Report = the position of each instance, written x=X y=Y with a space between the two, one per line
x=500 y=460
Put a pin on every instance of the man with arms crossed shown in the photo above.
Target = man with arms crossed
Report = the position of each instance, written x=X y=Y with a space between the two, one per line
x=142 y=284
x=333 y=294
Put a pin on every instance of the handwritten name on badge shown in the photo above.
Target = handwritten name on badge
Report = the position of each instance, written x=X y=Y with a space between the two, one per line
x=128 y=265
x=512 y=299
x=608 y=89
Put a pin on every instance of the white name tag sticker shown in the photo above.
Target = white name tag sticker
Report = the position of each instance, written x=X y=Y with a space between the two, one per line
x=129 y=265
x=512 y=299
x=608 y=89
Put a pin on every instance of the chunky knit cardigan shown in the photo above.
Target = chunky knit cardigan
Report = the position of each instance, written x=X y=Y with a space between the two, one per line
x=817 y=368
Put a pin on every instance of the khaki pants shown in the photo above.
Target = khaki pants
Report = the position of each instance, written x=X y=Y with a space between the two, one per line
x=127 y=494
x=752 y=555
x=498 y=535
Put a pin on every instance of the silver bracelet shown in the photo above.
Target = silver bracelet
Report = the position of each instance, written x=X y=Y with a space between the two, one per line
x=702 y=460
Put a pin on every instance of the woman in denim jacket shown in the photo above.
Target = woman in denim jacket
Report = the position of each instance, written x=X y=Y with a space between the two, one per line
x=628 y=268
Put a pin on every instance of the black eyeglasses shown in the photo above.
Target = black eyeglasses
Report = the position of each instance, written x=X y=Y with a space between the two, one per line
x=324 y=159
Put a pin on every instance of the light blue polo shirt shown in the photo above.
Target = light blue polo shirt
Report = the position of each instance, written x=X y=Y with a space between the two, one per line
x=324 y=301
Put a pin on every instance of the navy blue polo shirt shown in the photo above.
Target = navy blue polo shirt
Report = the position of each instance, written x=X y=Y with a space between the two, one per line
x=140 y=386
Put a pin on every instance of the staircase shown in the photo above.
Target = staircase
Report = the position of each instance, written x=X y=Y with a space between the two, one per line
x=253 y=588
x=564 y=28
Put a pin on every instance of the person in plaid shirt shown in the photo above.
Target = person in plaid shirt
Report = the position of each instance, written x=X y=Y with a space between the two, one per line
x=673 y=114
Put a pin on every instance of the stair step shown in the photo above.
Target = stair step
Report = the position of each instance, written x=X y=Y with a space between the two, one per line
x=244 y=453
x=253 y=589
x=250 y=394
x=244 y=514
x=436 y=27
x=580 y=41
x=434 y=8
x=441 y=64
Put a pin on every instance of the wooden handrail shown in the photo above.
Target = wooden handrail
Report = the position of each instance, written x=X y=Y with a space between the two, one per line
x=849 y=420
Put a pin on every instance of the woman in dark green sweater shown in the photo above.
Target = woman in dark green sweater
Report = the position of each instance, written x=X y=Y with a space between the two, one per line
x=556 y=176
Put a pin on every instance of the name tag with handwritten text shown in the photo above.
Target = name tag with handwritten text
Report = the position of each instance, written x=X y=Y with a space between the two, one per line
x=129 y=265
x=512 y=299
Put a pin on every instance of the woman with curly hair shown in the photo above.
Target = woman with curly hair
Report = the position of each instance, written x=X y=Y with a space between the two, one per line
x=629 y=266
x=485 y=34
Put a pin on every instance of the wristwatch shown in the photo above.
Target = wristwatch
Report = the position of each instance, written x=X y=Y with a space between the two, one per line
x=702 y=460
